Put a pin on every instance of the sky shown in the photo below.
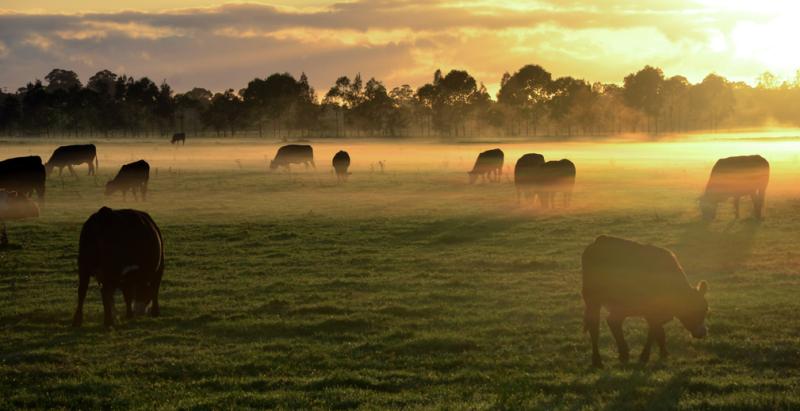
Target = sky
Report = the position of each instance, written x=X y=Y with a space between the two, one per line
x=220 y=45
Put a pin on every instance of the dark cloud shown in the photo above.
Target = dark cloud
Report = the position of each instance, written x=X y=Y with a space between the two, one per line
x=399 y=41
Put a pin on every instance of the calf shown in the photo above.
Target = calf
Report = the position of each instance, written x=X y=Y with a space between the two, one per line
x=293 y=154
x=132 y=176
x=68 y=156
x=735 y=177
x=341 y=162
x=178 y=138
x=121 y=249
x=555 y=177
x=23 y=175
x=636 y=280
x=488 y=163
x=525 y=172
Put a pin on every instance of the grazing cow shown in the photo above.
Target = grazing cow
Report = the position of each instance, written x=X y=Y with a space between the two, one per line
x=525 y=173
x=23 y=175
x=736 y=177
x=68 y=156
x=636 y=280
x=121 y=249
x=293 y=154
x=178 y=138
x=14 y=207
x=488 y=163
x=341 y=162
x=555 y=177
x=131 y=176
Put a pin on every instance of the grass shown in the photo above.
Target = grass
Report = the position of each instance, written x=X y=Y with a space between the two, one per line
x=408 y=289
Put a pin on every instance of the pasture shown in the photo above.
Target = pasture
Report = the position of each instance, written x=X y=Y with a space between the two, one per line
x=402 y=289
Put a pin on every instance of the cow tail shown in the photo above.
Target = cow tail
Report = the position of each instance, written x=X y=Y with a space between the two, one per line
x=96 y=163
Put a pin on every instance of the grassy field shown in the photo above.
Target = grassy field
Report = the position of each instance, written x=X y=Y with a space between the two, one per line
x=403 y=289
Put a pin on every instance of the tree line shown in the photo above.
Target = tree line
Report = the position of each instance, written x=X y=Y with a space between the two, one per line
x=530 y=103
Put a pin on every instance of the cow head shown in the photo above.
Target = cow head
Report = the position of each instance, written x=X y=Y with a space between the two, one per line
x=111 y=187
x=708 y=207
x=472 y=176
x=695 y=310
x=48 y=168
x=273 y=165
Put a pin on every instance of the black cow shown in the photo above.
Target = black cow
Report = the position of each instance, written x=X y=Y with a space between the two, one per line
x=293 y=154
x=636 y=280
x=525 y=172
x=555 y=177
x=68 y=156
x=23 y=175
x=178 y=138
x=132 y=176
x=341 y=162
x=736 y=177
x=121 y=249
x=14 y=206
x=489 y=163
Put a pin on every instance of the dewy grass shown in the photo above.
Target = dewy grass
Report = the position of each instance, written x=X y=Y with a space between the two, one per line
x=406 y=289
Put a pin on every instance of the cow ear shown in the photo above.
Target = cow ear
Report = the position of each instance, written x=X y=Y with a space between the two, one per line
x=702 y=287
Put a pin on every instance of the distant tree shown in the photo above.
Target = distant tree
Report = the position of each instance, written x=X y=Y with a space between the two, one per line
x=190 y=105
x=527 y=93
x=60 y=79
x=642 y=91
x=225 y=113
x=10 y=113
x=715 y=96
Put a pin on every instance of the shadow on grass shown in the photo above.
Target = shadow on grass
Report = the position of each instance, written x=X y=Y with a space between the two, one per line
x=460 y=230
x=717 y=252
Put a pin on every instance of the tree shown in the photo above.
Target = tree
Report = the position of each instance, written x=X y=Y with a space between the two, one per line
x=527 y=93
x=643 y=91
x=225 y=113
x=60 y=79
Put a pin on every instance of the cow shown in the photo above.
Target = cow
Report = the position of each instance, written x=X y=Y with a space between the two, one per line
x=24 y=175
x=68 y=156
x=631 y=279
x=555 y=177
x=178 y=138
x=121 y=249
x=525 y=173
x=341 y=162
x=735 y=177
x=488 y=163
x=14 y=206
x=293 y=154
x=132 y=176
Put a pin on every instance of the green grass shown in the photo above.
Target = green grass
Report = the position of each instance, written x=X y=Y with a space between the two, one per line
x=408 y=289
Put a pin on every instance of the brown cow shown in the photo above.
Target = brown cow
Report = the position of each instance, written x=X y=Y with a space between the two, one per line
x=735 y=177
x=122 y=249
x=636 y=280
x=488 y=163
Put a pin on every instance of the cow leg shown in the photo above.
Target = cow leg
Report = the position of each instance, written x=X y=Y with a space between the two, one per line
x=124 y=194
x=60 y=171
x=91 y=168
x=108 y=304
x=661 y=338
x=651 y=335
x=143 y=189
x=736 y=206
x=3 y=234
x=135 y=196
x=758 y=202
x=72 y=171
x=591 y=321
x=83 y=285
x=615 y=325
x=126 y=294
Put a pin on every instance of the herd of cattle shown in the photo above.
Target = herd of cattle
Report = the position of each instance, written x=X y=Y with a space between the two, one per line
x=123 y=249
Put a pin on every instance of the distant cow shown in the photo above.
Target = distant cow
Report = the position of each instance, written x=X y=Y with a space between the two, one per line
x=178 y=138
x=121 y=249
x=23 y=175
x=341 y=162
x=132 y=176
x=68 y=156
x=636 y=280
x=735 y=177
x=489 y=163
x=293 y=154
x=14 y=206
x=525 y=172
x=555 y=177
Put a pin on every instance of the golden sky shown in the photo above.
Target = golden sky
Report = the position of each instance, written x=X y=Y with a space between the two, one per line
x=219 y=45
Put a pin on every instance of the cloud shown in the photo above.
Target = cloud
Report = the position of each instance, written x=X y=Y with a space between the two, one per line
x=399 y=42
